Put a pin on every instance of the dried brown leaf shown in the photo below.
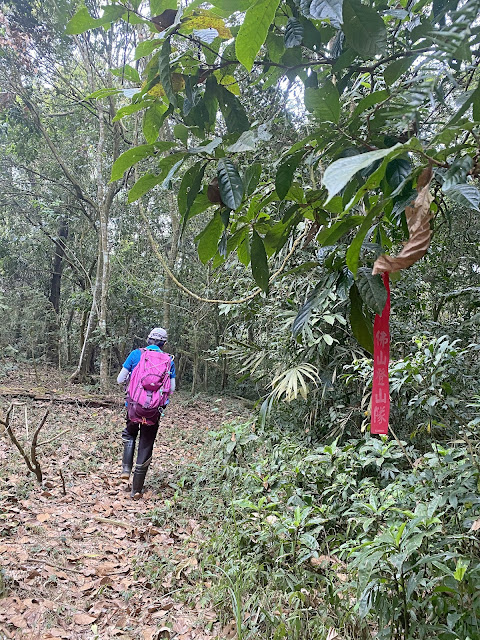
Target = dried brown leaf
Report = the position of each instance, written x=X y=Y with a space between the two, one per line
x=418 y=221
x=83 y=618
x=475 y=526
x=425 y=177
x=43 y=517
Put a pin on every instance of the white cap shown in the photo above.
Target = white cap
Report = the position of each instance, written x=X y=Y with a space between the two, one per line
x=158 y=334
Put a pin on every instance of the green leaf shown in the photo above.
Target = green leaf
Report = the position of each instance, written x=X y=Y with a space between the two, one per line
x=457 y=172
x=232 y=110
x=128 y=158
x=102 y=93
x=372 y=289
x=82 y=21
x=164 y=72
x=466 y=195
x=146 y=47
x=476 y=104
x=252 y=177
x=397 y=68
x=247 y=142
x=253 y=31
x=180 y=131
x=329 y=235
x=353 y=251
x=208 y=239
x=285 y=172
x=397 y=171
x=461 y=569
x=326 y=10
x=230 y=184
x=189 y=188
x=129 y=109
x=243 y=250
x=143 y=185
x=259 y=262
x=362 y=328
x=340 y=172
x=369 y=101
x=152 y=121
x=323 y=102
x=128 y=72
x=364 y=29
x=293 y=33
x=306 y=309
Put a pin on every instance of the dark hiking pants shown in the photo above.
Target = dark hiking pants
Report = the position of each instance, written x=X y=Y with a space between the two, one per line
x=148 y=434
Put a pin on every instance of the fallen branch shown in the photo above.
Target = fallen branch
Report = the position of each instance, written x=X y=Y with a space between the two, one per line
x=31 y=462
x=90 y=402
x=59 y=435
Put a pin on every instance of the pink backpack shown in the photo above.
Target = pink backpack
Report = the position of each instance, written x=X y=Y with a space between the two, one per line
x=149 y=387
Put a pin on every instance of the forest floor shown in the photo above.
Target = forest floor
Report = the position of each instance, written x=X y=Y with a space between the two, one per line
x=72 y=549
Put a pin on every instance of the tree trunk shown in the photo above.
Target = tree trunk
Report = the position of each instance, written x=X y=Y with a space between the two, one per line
x=79 y=373
x=171 y=257
x=55 y=288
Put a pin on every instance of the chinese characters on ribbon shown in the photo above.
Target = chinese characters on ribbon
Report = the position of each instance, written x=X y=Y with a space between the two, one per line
x=381 y=356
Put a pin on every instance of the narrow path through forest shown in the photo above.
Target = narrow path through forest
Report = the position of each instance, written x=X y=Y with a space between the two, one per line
x=71 y=558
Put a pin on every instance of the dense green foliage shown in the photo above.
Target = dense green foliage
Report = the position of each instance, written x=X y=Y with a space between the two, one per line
x=367 y=537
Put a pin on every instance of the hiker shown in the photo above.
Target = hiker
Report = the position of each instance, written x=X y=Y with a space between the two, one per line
x=152 y=380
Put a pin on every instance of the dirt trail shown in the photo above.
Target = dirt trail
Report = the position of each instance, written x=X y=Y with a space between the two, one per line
x=70 y=563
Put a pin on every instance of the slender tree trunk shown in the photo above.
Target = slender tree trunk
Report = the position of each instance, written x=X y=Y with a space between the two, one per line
x=79 y=372
x=171 y=257
x=55 y=288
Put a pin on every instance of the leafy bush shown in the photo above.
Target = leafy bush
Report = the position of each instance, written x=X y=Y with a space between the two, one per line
x=369 y=537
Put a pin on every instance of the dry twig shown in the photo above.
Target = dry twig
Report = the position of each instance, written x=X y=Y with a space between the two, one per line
x=31 y=461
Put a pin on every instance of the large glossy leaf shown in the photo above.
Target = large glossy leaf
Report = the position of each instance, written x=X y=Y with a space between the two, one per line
x=397 y=68
x=457 y=172
x=152 y=121
x=340 y=172
x=252 y=177
x=397 y=171
x=189 y=188
x=144 y=184
x=146 y=47
x=465 y=194
x=372 y=289
x=131 y=157
x=330 y=235
x=165 y=73
x=323 y=10
x=369 y=101
x=208 y=239
x=353 y=251
x=361 y=326
x=253 y=31
x=128 y=73
x=293 y=33
x=364 y=29
x=82 y=21
x=259 y=262
x=285 y=172
x=232 y=110
x=230 y=184
x=323 y=102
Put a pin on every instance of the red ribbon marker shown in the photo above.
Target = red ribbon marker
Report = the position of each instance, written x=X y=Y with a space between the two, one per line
x=381 y=357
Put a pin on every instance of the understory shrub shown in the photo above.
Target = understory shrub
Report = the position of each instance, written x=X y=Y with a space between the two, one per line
x=369 y=537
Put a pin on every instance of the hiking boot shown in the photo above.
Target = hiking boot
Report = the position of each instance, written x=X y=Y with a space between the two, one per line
x=139 y=479
x=127 y=461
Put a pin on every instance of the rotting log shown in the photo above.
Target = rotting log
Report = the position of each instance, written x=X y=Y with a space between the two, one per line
x=93 y=401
